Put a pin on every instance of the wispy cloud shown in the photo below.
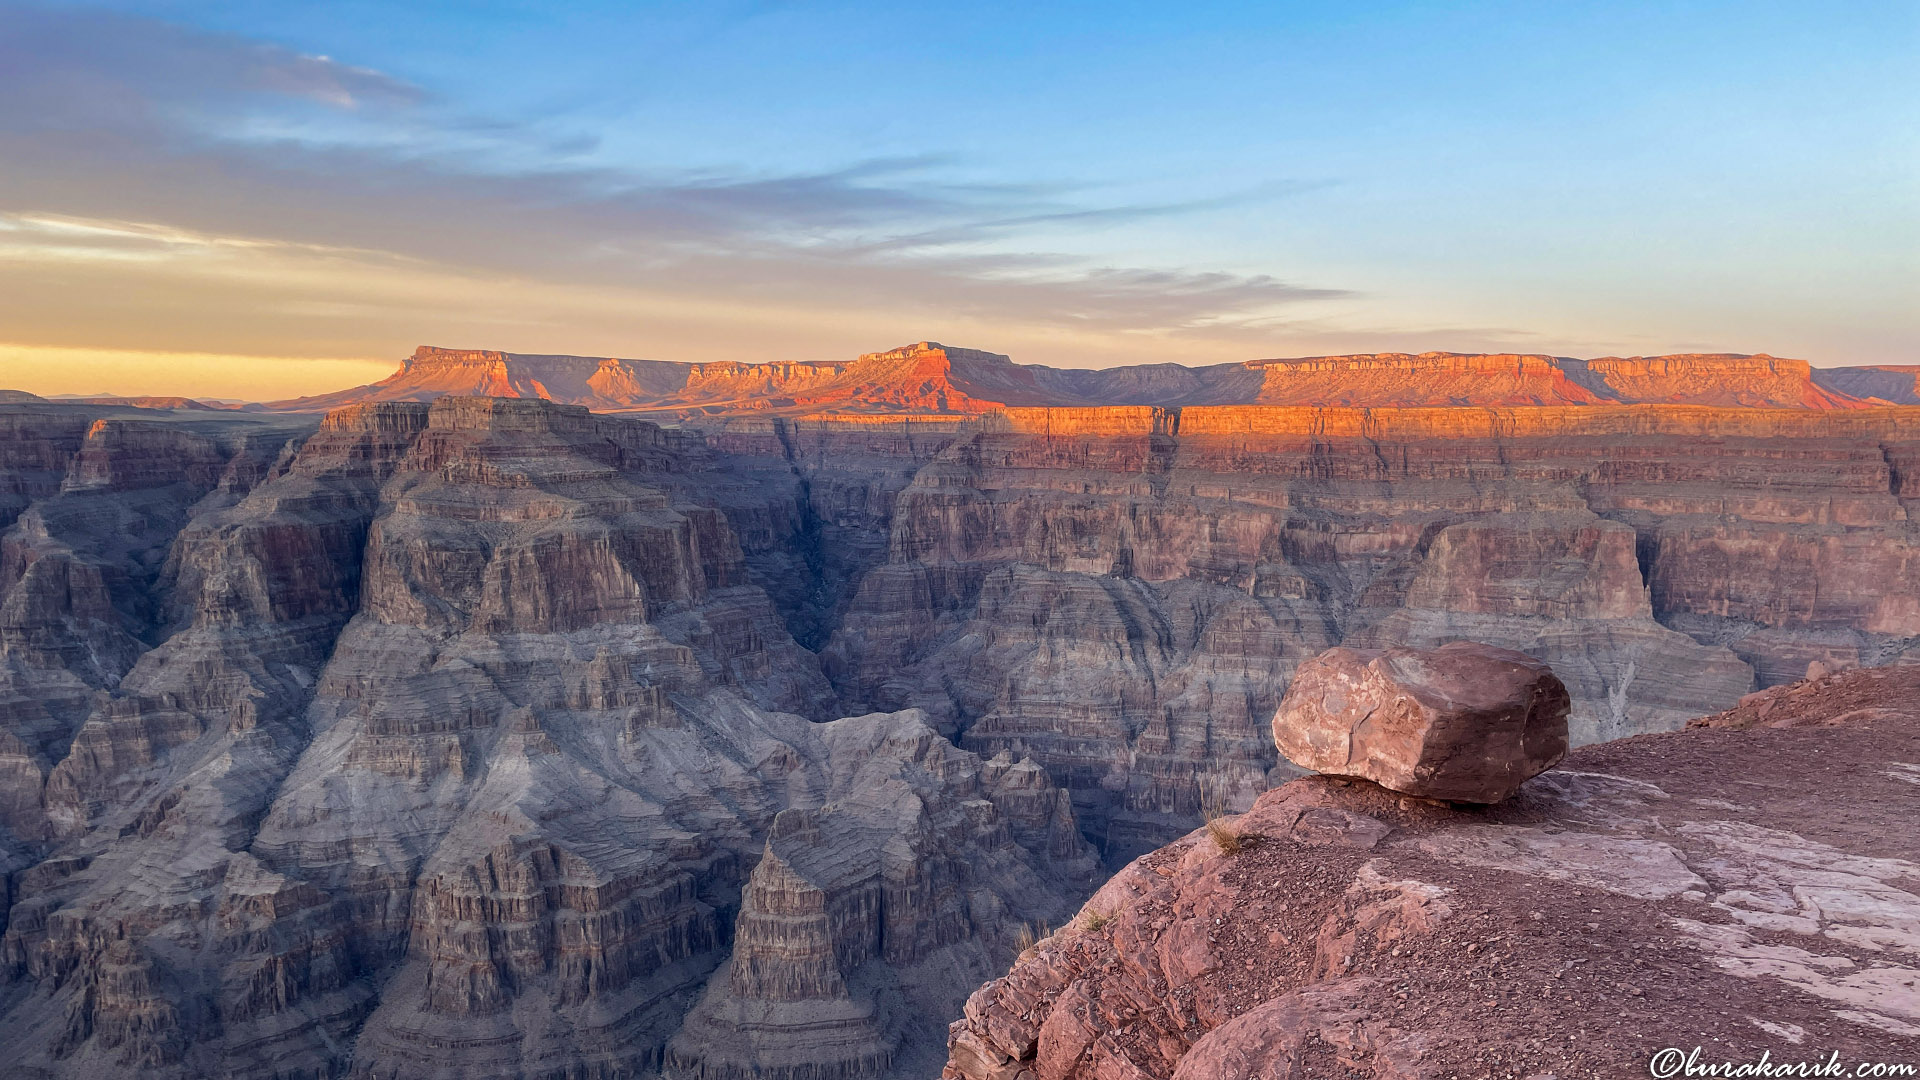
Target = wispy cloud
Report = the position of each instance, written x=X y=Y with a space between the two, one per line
x=64 y=69
x=133 y=141
x=149 y=236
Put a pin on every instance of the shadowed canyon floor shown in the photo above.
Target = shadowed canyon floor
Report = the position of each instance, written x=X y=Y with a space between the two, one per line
x=490 y=737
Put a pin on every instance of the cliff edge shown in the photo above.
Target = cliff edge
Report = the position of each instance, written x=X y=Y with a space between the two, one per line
x=1747 y=891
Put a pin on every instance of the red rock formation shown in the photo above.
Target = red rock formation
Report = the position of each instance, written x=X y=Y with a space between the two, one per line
x=1895 y=384
x=432 y=373
x=928 y=377
x=1710 y=379
x=1824 y=698
x=1388 y=379
x=1464 y=722
x=1745 y=891
x=1426 y=379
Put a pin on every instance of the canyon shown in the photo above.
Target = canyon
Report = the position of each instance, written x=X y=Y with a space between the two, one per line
x=450 y=740
x=745 y=725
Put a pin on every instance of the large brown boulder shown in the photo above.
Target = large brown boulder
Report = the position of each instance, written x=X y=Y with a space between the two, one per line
x=1465 y=722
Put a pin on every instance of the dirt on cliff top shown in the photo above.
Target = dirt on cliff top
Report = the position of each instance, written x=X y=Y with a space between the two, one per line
x=1747 y=892
x=1828 y=699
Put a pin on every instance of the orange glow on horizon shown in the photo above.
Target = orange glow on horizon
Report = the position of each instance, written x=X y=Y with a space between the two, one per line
x=48 y=370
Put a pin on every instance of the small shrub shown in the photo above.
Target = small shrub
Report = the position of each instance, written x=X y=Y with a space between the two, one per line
x=1095 y=920
x=1214 y=810
x=1029 y=938
x=1224 y=837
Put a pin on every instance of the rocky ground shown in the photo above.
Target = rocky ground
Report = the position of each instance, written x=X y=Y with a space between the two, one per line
x=1744 y=891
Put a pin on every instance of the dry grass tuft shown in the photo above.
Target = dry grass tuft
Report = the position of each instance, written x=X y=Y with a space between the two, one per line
x=1224 y=836
x=1029 y=939
x=1095 y=920
x=1228 y=841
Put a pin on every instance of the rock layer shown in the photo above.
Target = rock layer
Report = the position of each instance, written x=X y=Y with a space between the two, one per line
x=1124 y=593
x=1895 y=384
x=892 y=895
x=928 y=377
x=445 y=738
x=439 y=741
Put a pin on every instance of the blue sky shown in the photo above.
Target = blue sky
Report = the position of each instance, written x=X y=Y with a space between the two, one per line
x=280 y=191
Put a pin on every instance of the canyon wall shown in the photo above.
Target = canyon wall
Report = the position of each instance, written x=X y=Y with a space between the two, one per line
x=492 y=737
x=445 y=741
x=1123 y=592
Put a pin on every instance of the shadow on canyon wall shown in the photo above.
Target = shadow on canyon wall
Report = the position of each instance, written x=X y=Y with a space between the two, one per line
x=492 y=737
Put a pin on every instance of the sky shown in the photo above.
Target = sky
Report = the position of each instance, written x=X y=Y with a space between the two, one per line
x=236 y=199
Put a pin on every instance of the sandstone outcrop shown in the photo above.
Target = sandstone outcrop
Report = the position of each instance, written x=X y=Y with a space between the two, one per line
x=1721 y=379
x=1427 y=379
x=1758 y=381
x=1823 y=698
x=928 y=377
x=1464 y=722
x=1895 y=384
x=1749 y=892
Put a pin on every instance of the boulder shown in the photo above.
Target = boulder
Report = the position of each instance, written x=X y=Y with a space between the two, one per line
x=1464 y=722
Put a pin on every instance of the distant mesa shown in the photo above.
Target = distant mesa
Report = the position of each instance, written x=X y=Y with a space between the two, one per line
x=1721 y=379
x=930 y=378
x=161 y=402
x=22 y=397
x=1894 y=384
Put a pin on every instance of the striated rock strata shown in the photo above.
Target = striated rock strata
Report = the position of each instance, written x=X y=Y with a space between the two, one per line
x=928 y=377
x=1124 y=593
x=446 y=737
x=875 y=911
x=440 y=741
